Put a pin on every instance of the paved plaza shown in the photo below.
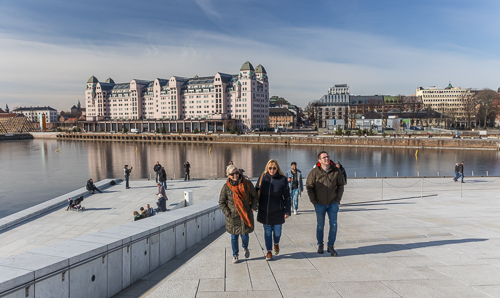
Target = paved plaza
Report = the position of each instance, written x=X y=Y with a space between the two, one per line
x=111 y=208
x=393 y=241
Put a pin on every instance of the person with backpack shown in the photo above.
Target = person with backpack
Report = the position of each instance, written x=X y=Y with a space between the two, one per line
x=274 y=205
x=237 y=199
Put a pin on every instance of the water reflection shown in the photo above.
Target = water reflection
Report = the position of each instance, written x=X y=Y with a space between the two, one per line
x=32 y=172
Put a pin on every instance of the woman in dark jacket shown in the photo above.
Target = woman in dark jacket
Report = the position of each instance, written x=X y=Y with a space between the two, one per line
x=274 y=204
x=237 y=200
x=162 y=177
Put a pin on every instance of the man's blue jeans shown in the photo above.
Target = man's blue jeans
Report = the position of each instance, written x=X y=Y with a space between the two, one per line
x=269 y=230
x=235 y=245
x=126 y=181
x=295 y=199
x=457 y=175
x=156 y=177
x=321 y=211
x=164 y=184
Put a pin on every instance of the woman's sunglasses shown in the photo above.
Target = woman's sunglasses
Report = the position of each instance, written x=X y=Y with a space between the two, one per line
x=273 y=168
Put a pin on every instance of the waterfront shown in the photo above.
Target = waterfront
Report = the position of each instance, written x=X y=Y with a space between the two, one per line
x=32 y=172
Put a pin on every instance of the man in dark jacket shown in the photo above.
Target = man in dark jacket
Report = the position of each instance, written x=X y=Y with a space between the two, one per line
x=461 y=170
x=162 y=204
x=157 y=169
x=457 y=173
x=325 y=187
x=91 y=187
x=187 y=168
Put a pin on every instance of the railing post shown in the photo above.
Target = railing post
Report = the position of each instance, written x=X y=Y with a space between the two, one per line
x=382 y=189
x=472 y=173
x=418 y=174
x=460 y=189
x=397 y=174
x=422 y=189
x=376 y=174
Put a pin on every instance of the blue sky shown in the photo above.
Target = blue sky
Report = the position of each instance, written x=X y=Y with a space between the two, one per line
x=48 y=49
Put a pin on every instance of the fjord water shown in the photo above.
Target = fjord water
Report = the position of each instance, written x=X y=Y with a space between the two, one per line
x=31 y=171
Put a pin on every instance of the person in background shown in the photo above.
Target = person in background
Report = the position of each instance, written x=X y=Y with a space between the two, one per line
x=461 y=170
x=187 y=168
x=137 y=216
x=127 y=172
x=162 y=177
x=91 y=187
x=161 y=190
x=150 y=210
x=342 y=170
x=457 y=172
x=157 y=168
x=237 y=200
x=295 y=184
x=162 y=204
x=144 y=213
x=274 y=205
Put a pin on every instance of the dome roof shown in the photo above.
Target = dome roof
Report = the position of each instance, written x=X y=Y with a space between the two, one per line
x=260 y=69
x=247 y=66
x=93 y=79
x=110 y=80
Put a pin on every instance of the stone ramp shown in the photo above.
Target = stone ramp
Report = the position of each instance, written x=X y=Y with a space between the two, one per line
x=398 y=245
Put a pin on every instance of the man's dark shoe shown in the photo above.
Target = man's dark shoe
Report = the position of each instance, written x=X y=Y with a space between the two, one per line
x=321 y=249
x=332 y=251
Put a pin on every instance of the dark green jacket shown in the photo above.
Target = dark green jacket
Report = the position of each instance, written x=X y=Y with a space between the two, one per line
x=325 y=188
x=234 y=223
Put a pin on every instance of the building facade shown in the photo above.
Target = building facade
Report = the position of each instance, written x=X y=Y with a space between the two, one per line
x=281 y=118
x=334 y=104
x=447 y=101
x=243 y=96
x=32 y=113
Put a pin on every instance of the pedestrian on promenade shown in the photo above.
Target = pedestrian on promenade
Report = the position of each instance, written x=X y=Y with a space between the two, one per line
x=325 y=187
x=161 y=190
x=187 y=168
x=157 y=169
x=461 y=171
x=274 y=205
x=162 y=177
x=342 y=170
x=162 y=203
x=91 y=187
x=127 y=172
x=457 y=172
x=237 y=199
x=295 y=184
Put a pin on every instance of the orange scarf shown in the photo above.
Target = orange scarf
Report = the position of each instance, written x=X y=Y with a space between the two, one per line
x=240 y=195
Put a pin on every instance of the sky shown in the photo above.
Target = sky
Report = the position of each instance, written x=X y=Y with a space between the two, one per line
x=49 y=49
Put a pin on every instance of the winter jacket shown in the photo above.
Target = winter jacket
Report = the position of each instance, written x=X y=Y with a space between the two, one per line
x=161 y=190
x=325 y=187
x=461 y=168
x=162 y=204
x=186 y=167
x=90 y=185
x=457 y=167
x=289 y=174
x=126 y=172
x=274 y=200
x=157 y=168
x=234 y=223
x=162 y=175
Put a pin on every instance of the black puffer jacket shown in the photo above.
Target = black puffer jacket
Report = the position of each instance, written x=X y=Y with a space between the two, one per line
x=274 y=201
x=162 y=175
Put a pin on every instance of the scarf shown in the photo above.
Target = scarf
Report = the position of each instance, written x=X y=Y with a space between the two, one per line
x=239 y=195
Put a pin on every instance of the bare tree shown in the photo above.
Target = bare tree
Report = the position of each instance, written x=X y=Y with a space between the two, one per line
x=486 y=99
x=469 y=107
x=312 y=112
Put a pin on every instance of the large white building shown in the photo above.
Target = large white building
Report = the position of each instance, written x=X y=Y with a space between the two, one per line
x=32 y=113
x=334 y=104
x=243 y=96
x=447 y=101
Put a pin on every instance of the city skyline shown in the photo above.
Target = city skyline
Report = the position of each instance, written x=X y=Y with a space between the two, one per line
x=50 y=49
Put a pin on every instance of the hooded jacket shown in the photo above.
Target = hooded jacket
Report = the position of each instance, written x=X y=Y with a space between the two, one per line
x=325 y=188
x=274 y=201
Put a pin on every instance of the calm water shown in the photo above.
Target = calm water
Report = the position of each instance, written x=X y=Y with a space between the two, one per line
x=32 y=172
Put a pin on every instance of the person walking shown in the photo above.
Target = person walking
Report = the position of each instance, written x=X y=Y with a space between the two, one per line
x=461 y=170
x=157 y=169
x=457 y=173
x=161 y=190
x=237 y=199
x=162 y=177
x=295 y=184
x=127 y=172
x=187 y=168
x=325 y=187
x=274 y=205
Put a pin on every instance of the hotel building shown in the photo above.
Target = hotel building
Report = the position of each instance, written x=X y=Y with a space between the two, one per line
x=243 y=97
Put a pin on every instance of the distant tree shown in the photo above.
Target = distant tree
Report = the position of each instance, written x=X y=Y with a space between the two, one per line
x=469 y=106
x=163 y=130
x=125 y=130
x=312 y=110
x=486 y=99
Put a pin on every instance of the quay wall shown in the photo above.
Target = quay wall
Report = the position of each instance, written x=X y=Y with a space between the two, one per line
x=419 y=142
x=104 y=263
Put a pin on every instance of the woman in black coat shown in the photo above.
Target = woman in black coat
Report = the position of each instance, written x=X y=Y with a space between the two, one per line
x=162 y=177
x=274 y=204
